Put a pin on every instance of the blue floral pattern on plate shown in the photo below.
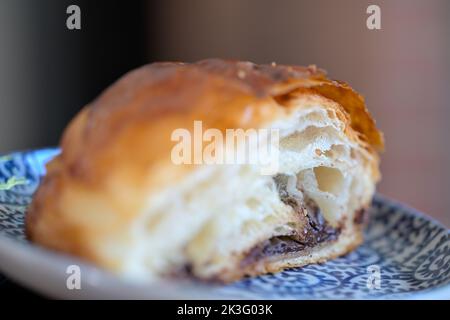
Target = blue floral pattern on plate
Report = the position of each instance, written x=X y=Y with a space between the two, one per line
x=405 y=254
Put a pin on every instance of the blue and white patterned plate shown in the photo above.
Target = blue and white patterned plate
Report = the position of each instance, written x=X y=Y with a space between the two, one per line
x=405 y=255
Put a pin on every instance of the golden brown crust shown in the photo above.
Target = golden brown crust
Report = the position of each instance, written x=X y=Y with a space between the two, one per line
x=154 y=100
x=127 y=131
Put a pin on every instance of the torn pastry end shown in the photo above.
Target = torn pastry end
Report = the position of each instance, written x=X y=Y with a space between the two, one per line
x=315 y=229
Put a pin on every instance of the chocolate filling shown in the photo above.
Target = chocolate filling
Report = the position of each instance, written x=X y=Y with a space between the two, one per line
x=315 y=231
x=361 y=216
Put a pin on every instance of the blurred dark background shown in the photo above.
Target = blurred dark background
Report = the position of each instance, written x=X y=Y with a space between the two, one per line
x=48 y=73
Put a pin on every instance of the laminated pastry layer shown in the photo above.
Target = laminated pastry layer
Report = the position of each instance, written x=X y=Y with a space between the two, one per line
x=228 y=221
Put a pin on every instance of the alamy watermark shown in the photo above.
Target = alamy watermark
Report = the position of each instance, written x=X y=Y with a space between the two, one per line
x=373 y=21
x=232 y=146
x=73 y=281
x=73 y=21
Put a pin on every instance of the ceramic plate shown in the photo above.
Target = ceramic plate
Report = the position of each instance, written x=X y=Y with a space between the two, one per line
x=405 y=255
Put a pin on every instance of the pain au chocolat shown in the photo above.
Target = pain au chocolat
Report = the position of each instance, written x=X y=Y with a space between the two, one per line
x=115 y=197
